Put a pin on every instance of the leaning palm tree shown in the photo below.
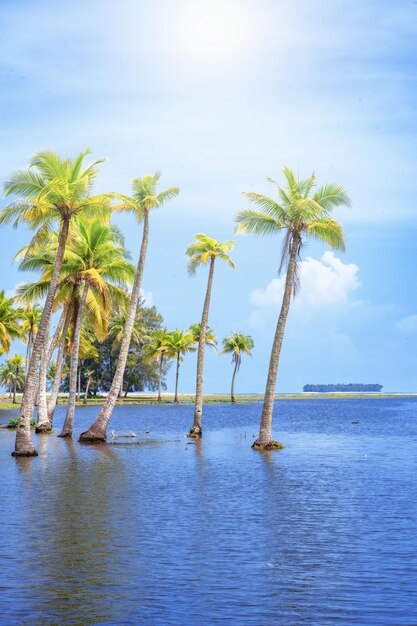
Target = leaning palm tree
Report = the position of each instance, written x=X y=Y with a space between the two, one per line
x=96 y=261
x=144 y=199
x=237 y=344
x=52 y=190
x=9 y=322
x=300 y=213
x=158 y=348
x=204 y=250
x=180 y=343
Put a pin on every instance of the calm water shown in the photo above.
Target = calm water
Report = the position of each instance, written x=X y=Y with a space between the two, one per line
x=168 y=532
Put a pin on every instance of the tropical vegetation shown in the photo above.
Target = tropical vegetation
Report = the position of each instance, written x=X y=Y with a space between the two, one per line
x=106 y=342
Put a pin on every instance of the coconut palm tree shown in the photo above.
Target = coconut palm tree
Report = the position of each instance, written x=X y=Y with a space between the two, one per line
x=144 y=198
x=16 y=373
x=95 y=260
x=30 y=323
x=237 y=344
x=52 y=190
x=210 y=339
x=87 y=350
x=202 y=251
x=180 y=343
x=9 y=322
x=6 y=377
x=158 y=348
x=300 y=213
x=90 y=378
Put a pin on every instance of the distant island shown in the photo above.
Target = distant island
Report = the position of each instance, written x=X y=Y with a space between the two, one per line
x=351 y=387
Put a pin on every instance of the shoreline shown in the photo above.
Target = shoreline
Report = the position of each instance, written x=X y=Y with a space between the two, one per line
x=219 y=398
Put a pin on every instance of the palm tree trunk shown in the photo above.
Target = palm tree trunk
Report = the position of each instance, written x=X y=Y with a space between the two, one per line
x=97 y=431
x=69 y=419
x=86 y=390
x=59 y=366
x=28 y=353
x=23 y=444
x=44 y=424
x=232 y=389
x=176 y=378
x=264 y=440
x=14 y=391
x=161 y=359
x=196 y=429
x=79 y=381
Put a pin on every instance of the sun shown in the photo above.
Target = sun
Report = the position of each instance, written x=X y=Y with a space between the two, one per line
x=212 y=30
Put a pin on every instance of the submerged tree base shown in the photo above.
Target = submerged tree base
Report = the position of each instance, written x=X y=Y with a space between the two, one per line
x=26 y=452
x=65 y=434
x=269 y=445
x=24 y=445
x=91 y=437
x=45 y=427
x=195 y=433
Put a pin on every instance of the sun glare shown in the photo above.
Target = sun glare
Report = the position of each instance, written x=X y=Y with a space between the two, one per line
x=212 y=30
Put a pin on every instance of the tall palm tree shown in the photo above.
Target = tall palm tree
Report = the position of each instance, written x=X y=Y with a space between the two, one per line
x=30 y=324
x=6 y=377
x=202 y=251
x=16 y=374
x=9 y=322
x=144 y=198
x=52 y=190
x=237 y=344
x=158 y=348
x=87 y=350
x=300 y=213
x=95 y=260
x=180 y=343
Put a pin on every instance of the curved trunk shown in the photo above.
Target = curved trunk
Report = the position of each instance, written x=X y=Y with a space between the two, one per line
x=14 y=391
x=27 y=357
x=196 y=429
x=23 y=444
x=69 y=419
x=161 y=360
x=59 y=366
x=176 y=378
x=232 y=389
x=264 y=440
x=44 y=424
x=97 y=431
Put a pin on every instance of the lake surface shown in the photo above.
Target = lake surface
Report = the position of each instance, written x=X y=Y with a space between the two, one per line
x=170 y=532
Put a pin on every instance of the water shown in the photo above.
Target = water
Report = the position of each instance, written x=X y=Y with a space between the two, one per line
x=170 y=532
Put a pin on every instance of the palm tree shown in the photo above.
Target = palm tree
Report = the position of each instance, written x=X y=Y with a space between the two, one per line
x=87 y=350
x=202 y=251
x=158 y=348
x=95 y=260
x=9 y=322
x=180 y=343
x=30 y=324
x=300 y=213
x=210 y=339
x=237 y=344
x=90 y=378
x=16 y=374
x=6 y=377
x=144 y=199
x=51 y=190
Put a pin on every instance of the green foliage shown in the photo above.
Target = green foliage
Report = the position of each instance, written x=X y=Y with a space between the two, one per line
x=203 y=249
x=9 y=322
x=237 y=344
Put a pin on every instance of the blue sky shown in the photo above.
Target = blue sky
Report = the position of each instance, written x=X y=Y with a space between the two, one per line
x=218 y=95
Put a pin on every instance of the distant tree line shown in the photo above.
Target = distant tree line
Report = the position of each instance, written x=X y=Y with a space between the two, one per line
x=339 y=387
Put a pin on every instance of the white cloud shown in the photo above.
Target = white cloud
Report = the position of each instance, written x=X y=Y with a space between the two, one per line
x=325 y=282
x=10 y=293
x=407 y=324
x=147 y=297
